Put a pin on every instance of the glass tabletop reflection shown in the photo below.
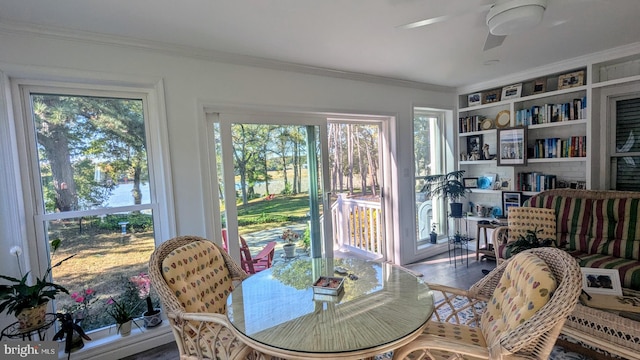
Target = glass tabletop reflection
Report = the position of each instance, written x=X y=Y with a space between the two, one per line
x=380 y=304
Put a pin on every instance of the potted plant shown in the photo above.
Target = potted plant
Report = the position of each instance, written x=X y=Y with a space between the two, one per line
x=122 y=313
x=433 y=236
x=152 y=317
x=29 y=302
x=447 y=186
x=289 y=237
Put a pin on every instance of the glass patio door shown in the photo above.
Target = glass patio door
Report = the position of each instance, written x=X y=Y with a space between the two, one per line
x=271 y=176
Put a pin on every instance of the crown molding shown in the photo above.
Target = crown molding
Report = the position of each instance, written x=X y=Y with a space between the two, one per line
x=34 y=30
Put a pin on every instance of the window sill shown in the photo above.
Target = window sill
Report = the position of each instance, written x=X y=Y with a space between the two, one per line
x=107 y=344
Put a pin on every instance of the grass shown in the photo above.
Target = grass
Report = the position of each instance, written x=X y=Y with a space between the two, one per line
x=261 y=214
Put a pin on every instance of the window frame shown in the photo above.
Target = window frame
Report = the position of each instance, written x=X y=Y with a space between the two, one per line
x=26 y=166
x=439 y=146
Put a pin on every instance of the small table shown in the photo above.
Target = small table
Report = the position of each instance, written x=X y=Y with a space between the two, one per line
x=384 y=308
x=14 y=331
x=487 y=251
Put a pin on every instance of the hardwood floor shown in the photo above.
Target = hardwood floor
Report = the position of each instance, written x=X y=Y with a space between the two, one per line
x=434 y=270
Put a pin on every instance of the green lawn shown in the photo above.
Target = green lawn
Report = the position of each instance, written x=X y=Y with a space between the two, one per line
x=261 y=214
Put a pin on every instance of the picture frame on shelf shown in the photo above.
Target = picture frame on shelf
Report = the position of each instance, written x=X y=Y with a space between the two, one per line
x=510 y=199
x=573 y=79
x=474 y=99
x=512 y=146
x=601 y=281
x=470 y=182
x=491 y=96
x=503 y=119
x=539 y=85
x=512 y=91
x=474 y=144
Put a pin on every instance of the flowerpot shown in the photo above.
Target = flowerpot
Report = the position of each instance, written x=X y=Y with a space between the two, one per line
x=433 y=237
x=31 y=318
x=289 y=250
x=152 y=320
x=125 y=328
x=456 y=209
x=76 y=343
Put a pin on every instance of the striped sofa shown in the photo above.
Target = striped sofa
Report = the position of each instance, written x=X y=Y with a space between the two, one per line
x=599 y=228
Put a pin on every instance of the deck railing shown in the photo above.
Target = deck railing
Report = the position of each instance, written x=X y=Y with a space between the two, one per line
x=357 y=224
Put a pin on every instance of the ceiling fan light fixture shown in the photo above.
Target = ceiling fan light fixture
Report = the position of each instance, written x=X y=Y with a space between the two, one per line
x=513 y=16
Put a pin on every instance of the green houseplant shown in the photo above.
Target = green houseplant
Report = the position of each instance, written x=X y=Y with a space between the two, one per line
x=122 y=313
x=447 y=186
x=18 y=297
x=529 y=241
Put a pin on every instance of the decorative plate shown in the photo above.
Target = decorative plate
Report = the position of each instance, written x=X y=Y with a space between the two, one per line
x=503 y=119
x=484 y=182
x=486 y=124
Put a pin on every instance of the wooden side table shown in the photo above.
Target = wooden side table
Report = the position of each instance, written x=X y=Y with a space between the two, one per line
x=487 y=250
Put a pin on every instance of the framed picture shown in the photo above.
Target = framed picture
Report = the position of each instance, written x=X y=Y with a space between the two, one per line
x=512 y=146
x=540 y=85
x=470 y=183
x=510 y=199
x=491 y=96
x=474 y=144
x=601 y=281
x=474 y=99
x=570 y=80
x=511 y=91
x=581 y=185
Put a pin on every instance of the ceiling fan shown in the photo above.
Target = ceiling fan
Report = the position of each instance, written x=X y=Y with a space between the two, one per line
x=504 y=17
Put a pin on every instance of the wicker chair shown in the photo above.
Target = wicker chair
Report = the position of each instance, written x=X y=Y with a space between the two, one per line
x=193 y=277
x=515 y=312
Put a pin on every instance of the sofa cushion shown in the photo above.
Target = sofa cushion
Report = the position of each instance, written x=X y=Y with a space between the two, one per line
x=629 y=269
x=615 y=228
x=530 y=218
x=524 y=288
x=573 y=220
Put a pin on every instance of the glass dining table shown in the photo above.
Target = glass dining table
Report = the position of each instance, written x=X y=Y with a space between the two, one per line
x=381 y=308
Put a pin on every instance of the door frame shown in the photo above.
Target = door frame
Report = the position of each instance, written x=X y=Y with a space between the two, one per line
x=210 y=114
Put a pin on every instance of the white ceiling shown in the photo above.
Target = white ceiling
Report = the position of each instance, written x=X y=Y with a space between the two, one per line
x=360 y=36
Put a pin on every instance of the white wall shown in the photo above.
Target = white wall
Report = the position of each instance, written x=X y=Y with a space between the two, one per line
x=192 y=80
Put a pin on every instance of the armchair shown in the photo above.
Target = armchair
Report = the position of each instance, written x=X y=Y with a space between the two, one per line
x=515 y=312
x=193 y=277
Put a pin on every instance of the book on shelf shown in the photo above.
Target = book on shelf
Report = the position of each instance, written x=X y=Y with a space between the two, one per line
x=535 y=181
x=574 y=146
x=551 y=113
x=470 y=123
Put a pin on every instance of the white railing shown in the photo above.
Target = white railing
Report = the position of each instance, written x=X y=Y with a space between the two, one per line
x=357 y=224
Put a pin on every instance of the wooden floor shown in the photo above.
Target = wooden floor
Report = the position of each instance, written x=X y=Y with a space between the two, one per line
x=437 y=270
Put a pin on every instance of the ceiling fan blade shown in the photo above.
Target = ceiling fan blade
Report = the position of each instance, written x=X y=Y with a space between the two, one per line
x=438 y=19
x=493 y=41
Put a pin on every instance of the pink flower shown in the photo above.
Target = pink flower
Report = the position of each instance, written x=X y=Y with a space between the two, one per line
x=79 y=299
x=74 y=295
x=143 y=283
x=89 y=291
x=110 y=301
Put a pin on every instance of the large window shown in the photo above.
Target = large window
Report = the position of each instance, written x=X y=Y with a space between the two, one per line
x=428 y=138
x=92 y=193
x=625 y=150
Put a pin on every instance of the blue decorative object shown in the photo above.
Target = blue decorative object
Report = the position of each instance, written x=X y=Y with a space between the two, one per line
x=496 y=212
x=484 y=183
